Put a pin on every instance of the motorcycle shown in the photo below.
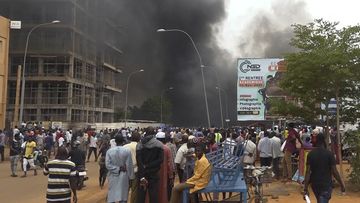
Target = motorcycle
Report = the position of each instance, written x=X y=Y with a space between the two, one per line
x=81 y=176
x=40 y=158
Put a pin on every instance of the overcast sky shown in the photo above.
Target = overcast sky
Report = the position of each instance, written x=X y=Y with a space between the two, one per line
x=241 y=14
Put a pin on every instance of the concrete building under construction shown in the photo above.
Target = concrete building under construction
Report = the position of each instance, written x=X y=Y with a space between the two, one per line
x=72 y=67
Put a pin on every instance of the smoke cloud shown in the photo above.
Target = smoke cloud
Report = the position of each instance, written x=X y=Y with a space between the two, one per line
x=170 y=60
x=269 y=32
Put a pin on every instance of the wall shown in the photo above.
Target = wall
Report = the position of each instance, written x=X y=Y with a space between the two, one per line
x=99 y=126
x=4 y=57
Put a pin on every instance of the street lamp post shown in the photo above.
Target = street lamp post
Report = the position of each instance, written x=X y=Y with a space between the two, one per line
x=161 y=100
x=221 y=111
x=219 y=94
x=201 y=66
x=126 y=93
x=226 y=102
x=22 y=96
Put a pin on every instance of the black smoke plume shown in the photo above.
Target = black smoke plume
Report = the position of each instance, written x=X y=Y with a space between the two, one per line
x=169 y=58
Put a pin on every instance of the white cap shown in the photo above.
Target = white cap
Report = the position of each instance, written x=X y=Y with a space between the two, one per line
x=191 y=137
x=316 y=131
x=160 y=135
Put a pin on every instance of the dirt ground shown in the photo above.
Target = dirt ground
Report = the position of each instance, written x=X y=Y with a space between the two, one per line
x=32 y=189
x=278 y=192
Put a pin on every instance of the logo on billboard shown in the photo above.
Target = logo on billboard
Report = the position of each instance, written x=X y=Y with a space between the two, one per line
x=246 y=66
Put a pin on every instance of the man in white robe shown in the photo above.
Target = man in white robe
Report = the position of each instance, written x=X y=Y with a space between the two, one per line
x=119 y=164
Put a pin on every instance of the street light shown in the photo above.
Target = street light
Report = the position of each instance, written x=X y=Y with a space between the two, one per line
x=226 y=103
x=219 y=94
x=201 y=66
x=126 y=93
x=22 y=96
x=161 y=99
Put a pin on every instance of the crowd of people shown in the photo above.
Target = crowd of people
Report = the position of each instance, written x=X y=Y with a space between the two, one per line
x=147 y=161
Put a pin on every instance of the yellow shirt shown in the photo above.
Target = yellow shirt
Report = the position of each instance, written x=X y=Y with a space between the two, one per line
x=286 y=133
x=218 y=137
x=202 y=174
x=29 y=149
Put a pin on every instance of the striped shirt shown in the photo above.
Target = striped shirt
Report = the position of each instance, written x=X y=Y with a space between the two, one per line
x=59 y=172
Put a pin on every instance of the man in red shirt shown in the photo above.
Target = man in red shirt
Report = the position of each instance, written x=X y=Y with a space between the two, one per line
x=289 y=149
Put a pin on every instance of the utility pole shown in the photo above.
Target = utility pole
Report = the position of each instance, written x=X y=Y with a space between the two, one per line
x=338 y=132
x=17 y=97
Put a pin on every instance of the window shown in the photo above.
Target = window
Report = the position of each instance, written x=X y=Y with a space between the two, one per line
x=55 y=93
x=89 y=72
x=31 y=90
x=78 y=68
x=30 y=114
x=77 y=97
x=11 y=92
x=14 y=64
x=53 y=114
x=2 y=51
x=75 y=115
x=57 y=66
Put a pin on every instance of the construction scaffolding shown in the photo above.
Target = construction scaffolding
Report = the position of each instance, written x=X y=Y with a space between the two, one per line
x=71 y=68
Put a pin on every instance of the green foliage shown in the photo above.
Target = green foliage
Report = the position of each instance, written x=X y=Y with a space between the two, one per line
x=352 y=139
x=327 y=65
x=290 y=110
x=150 y=110
x=119 y=114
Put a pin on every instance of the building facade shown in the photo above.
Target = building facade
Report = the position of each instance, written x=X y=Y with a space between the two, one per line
x=4 y=53
x=72 y=67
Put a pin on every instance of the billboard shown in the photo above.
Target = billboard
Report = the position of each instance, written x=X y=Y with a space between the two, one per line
x=253 y=77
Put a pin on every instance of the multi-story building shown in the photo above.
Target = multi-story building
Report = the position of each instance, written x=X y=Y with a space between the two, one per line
x=4 y=52
x=72 y=67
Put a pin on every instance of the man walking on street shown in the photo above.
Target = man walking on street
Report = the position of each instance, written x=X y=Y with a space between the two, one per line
x=15 y=150
x=166 y=171
x=92 y=147
x=119 y=164
x=265 y=148
x=276 y=153
x=2 y=145
x=289 y=149
x=61 y=178
x=180 y=158
x=135 y=138
x=30 y=146
x=149 y=157
x=320 y=167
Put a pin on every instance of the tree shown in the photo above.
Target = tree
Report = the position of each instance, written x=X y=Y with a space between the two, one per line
x=150 y=110
x=290 y=109
x=325 y=67
x=352 y=139
x=119 y=114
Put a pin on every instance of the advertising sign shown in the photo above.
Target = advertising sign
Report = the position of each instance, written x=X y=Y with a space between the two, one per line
x=15 y=25
x=253 y=77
